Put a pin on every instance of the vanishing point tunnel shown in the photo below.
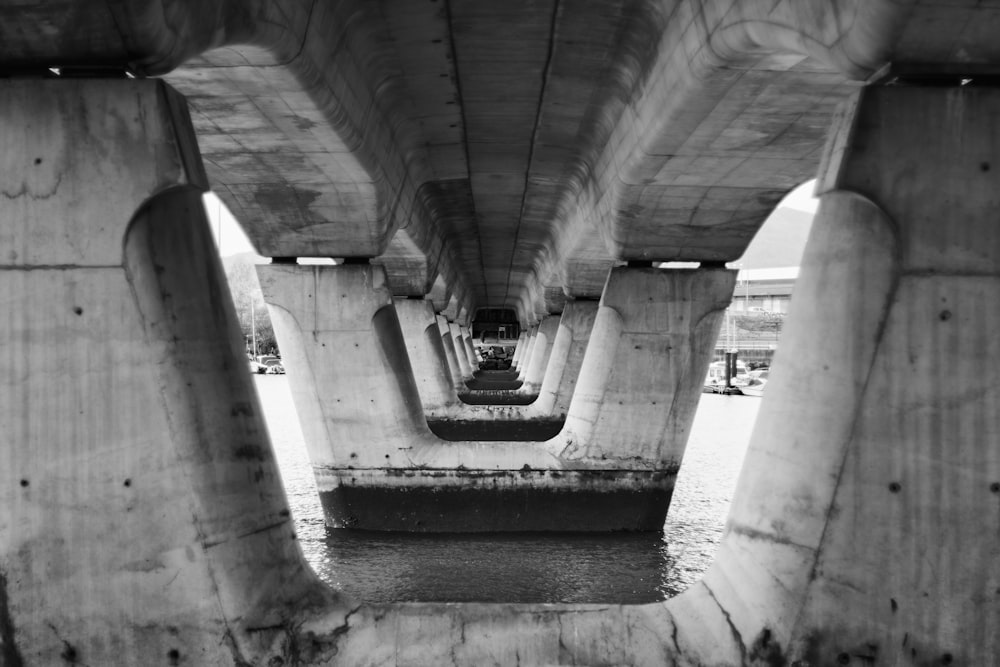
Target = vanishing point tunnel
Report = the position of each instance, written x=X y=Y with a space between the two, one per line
x=532 y=162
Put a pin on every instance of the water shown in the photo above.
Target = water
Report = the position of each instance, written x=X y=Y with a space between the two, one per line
x=527 y=567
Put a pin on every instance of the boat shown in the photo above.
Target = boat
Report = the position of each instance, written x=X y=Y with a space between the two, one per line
x=715 y=381
x=756 y=383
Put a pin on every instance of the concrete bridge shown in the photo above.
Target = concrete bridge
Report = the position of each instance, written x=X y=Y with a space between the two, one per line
x=534 y=156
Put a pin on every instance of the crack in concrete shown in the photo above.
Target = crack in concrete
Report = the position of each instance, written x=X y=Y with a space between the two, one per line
x=732 y=628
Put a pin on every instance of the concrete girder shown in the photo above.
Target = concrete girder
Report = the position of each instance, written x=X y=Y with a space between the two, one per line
x=600 y=157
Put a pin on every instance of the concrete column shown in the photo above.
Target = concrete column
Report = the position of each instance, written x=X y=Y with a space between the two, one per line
x=448 y=345
x=529 y=348
x=518 y=351
x=542 y=347
x=470 y=349
x=645 y=365
x=426 y=352
x=866 y=516
x=142 y=519
x=461 y=353
x=350 y=374
x=566 y=358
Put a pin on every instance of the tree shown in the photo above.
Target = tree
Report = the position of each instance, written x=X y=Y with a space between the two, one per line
x=249 y=301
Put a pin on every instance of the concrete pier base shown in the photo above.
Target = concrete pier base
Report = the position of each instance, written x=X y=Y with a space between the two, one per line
x=450 y=500
x=371 y=448
x=142 y=518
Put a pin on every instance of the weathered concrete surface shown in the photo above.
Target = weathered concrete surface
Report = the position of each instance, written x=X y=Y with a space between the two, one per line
x=378 y=466
x=568 y=351
x=448 y=343
x=461 y=354
x=603 y=131
x=357 y=402
x=495 y=403
x=646 y=130
x=470 y=350
x=645 y=365
x=855 y=536
x=142 y=517
x=518 y=351
x=427 y=355
x=530 y=339
x=541 y=350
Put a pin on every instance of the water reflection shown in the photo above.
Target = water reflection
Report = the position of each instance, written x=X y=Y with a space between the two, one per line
x=524 y=567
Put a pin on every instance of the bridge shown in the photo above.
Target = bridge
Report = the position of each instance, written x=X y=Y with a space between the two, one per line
x=533 y=161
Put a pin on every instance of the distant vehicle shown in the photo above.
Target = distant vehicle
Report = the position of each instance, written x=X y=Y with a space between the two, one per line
x=266 y=364
x=272 y=365
x=758 y=310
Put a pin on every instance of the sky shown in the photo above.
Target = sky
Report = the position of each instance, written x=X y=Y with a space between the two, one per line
x=234 y=241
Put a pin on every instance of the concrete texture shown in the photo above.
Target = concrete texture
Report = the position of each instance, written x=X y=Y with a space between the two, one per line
x=427 y=354
x=369 y=442
x=461 y=353
x=541 y=350
x=493 y=155
x=142 y=517
x=645 y=365
x=448 y=344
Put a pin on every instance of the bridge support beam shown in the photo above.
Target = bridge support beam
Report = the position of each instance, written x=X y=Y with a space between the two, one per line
x=470 y=349
x=541 y=350
x=565 y=359
x=142 y=519
x=865 y=518
x=519 y=346
x=461 y=353
x=529 y=349
x=864 y=523
x=448 y=344
x=645 y=365
x=349 y=370
x=427 y=354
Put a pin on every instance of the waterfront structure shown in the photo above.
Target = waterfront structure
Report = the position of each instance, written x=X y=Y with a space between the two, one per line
x=516 y=155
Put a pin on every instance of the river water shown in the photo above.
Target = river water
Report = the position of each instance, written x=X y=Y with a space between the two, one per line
x=526 y=567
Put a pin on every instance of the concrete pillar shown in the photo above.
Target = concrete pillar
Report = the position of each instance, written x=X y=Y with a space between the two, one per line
x=529 y=348
x=142 y=518
x=427 y=354
x=566 y=358
x=448 y=345
x=534 y=372
x=461 y=353
x=645 y=365
x=518 y=350
x=350 y=374
x=470 y=349
x=865 y=520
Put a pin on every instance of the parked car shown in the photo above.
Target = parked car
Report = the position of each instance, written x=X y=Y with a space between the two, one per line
x=272 y=365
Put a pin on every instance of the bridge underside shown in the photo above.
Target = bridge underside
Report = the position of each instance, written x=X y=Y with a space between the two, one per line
x=537 y=156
